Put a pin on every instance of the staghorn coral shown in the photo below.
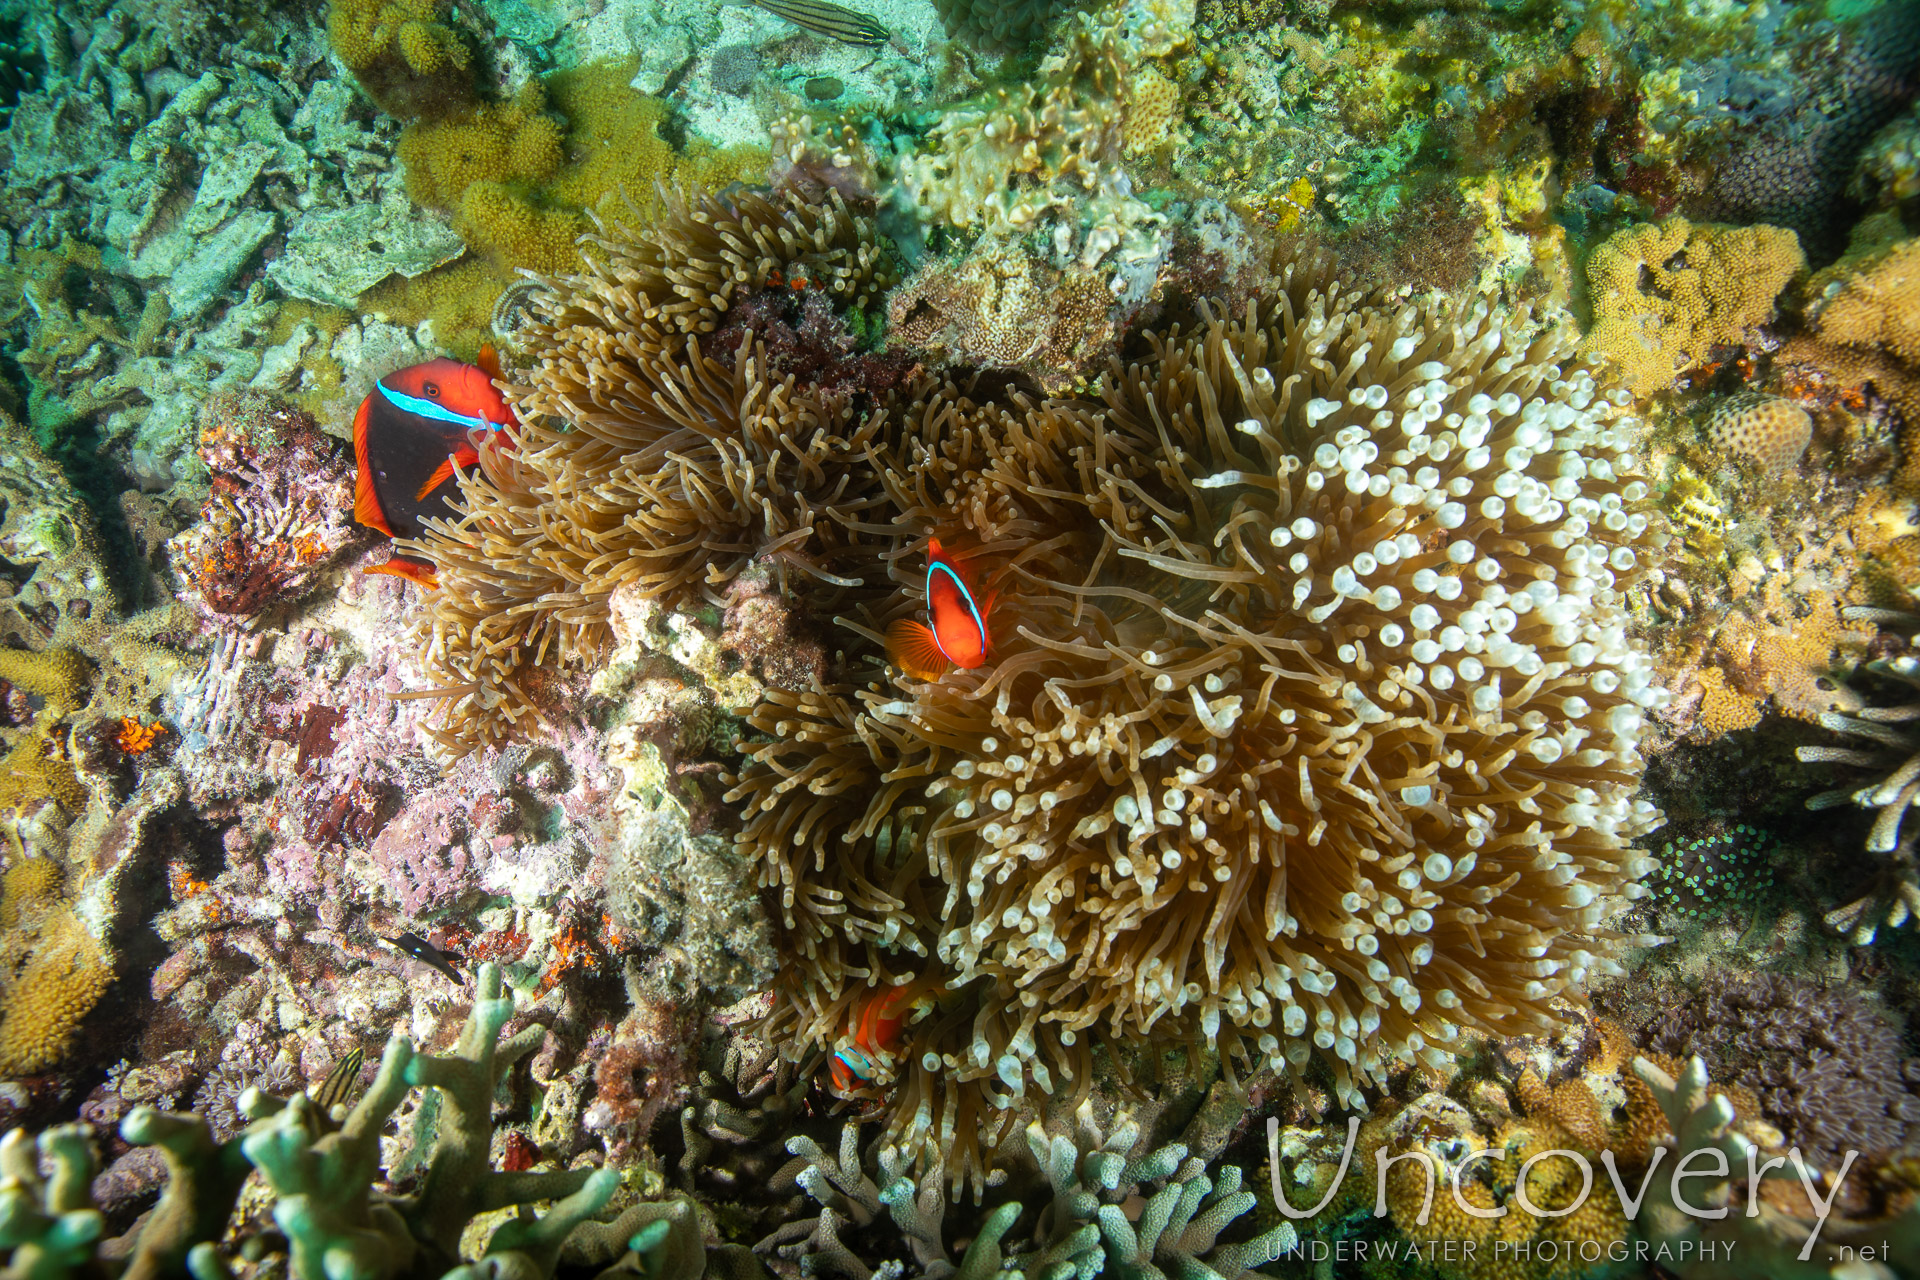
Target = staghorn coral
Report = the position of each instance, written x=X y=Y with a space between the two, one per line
x=1664 y=294
x=1098 y=1213
x=319 y=1177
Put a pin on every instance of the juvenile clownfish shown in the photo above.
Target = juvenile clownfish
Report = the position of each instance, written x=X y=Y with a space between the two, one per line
x=409 y=435
x=876 y=1030
x=958 y=636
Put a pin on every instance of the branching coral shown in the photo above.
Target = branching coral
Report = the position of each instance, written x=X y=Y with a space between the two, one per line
x=321 y=1171
x=1758 y=1214
x=1889 y=748
x=1664 y=294
x=1101 y=1214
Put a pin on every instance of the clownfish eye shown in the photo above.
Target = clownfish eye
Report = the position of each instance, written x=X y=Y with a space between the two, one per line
x=432 y=389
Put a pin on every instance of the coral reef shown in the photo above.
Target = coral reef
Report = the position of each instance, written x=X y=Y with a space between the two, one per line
x=1188 y=789
x=1664 y=295
x=1103 y=1214
x=1329 y=585
x=1830 y=1072
x=320 y=1172
x=651 y=300
x=279 y=511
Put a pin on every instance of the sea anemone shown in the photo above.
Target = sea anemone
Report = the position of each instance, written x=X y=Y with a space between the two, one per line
x=644 y=458
x=1309 y=727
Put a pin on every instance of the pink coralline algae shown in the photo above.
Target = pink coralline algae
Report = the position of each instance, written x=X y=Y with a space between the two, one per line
x=279 y=511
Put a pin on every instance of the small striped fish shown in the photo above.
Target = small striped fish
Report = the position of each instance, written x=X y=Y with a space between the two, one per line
x=836 y=22
x=339 y=1084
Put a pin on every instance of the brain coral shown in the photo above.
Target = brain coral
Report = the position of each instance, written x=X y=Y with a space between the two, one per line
x=1769 y=431
x=1311 y=725
x=1665 y=293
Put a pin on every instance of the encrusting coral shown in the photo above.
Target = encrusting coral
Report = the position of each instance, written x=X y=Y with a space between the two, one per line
x=1665 y=293
x=1311 y=725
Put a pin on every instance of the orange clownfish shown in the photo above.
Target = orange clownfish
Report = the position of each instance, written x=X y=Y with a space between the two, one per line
x=877 y=1030
x=958 y=636
x=409 y=435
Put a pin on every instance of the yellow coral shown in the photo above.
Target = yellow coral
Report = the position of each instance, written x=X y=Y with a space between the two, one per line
x=61 y=676
x=1151 y=112
x=62 y=979
x=1770 y=432
x=429 y=47
x=1664 y=294
x=511 y=228
x=35 y=770
x=407 y=60
x=1724 y=710
x=519 y=179
x=1877 y=305
x=29 y=883
x=1791 y=661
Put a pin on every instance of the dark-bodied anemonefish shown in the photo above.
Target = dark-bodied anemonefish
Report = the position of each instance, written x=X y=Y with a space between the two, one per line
x=408 y=436
x=958 y=636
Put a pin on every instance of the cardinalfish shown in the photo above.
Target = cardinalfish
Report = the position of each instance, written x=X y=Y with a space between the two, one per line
x=876 y=1031
x=835 y=22
x=410 y=434
x=958 y=612
x=338 y=1088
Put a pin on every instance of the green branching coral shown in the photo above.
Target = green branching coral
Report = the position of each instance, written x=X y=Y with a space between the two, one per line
x=323 y=1177
x=1095 y=1212
x=322 y=1171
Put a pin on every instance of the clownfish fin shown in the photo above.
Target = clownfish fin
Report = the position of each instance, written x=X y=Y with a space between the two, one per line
x=366 y=504
x=413 y=569
x=489 y=361
x=466 y=457
x=912 y=648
